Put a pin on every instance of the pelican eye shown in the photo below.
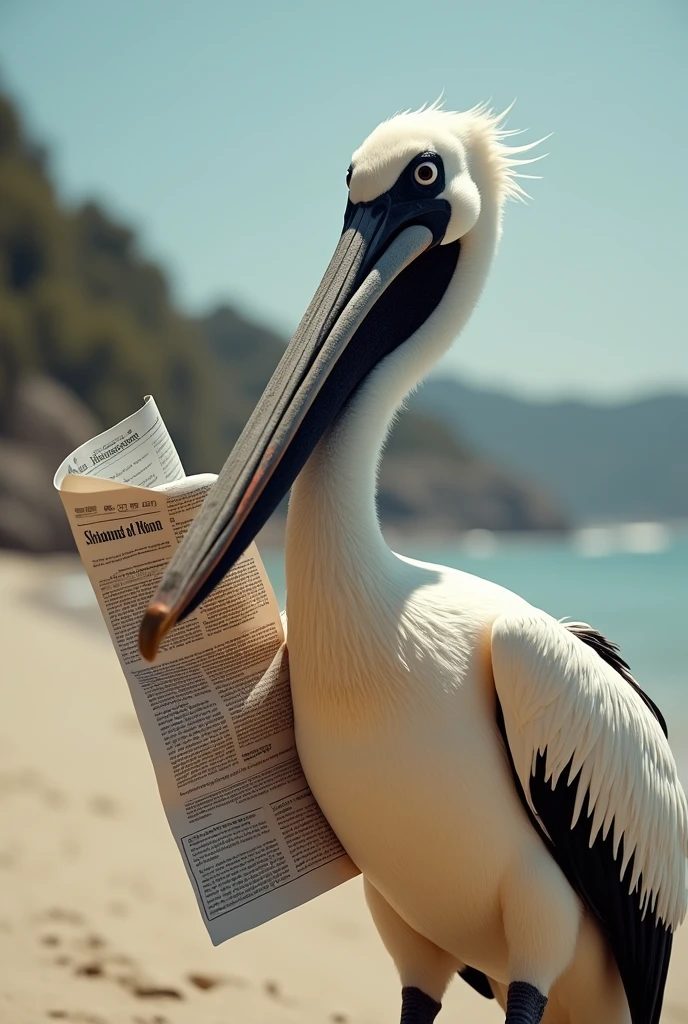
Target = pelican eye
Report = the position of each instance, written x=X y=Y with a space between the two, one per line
x=348 y=177
x=426 y=173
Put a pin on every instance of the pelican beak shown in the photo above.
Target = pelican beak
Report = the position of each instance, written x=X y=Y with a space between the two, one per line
x=365 y=307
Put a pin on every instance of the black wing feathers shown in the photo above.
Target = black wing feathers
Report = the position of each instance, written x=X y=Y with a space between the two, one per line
x=609 y=652
x=641 y=946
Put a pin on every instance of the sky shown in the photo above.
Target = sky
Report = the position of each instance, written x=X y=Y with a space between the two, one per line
x=222 y=130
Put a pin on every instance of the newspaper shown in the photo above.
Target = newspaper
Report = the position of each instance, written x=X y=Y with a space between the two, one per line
x=215 y=708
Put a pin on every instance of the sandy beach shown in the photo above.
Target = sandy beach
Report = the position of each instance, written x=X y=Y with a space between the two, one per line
x=98 y=923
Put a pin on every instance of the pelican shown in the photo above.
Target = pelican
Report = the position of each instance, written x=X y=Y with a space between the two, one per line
x=502 y=782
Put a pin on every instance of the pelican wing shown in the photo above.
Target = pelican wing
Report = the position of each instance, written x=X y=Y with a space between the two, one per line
x=594 y=769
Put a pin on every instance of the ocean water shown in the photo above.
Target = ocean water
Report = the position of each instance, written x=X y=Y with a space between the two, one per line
x=631 y=583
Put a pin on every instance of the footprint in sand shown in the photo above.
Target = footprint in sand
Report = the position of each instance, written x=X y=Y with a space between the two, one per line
x=76 y=1017
x=206 y=982
x=203 y=981
x=63 y=915
x=54 y=798
x=146 y=990
x=90 y=970
x=89 y=956
x=104 y=806
x=273 y=991
x=117 y=968
x=121 y=970
x=31 y=782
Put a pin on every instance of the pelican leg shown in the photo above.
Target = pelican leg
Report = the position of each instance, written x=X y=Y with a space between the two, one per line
x=524 y=1003
x=424 y=969
x=417 y=1007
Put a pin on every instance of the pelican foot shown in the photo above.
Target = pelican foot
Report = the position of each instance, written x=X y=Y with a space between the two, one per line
x=477 y=980
x=417 y=1007
x=524 y=1004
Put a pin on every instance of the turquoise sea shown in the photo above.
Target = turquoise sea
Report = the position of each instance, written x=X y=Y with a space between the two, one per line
x=631 y=583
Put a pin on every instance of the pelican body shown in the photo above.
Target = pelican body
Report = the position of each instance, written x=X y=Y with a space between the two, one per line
x=501 y=780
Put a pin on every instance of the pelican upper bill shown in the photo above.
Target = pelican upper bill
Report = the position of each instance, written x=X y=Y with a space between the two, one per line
x=384 y=280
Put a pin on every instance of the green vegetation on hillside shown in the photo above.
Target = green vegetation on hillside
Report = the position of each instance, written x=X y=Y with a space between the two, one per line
x=80 y=304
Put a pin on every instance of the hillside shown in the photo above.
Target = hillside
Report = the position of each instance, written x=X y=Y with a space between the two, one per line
x=601 y=462
x=83 y=307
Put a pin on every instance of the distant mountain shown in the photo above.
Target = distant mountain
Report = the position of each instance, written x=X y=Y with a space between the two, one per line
x=601 y=462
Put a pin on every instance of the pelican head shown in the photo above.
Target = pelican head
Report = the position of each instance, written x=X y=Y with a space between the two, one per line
x=422 y=220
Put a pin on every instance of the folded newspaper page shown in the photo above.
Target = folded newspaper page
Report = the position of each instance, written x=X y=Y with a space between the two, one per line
x=215 y=708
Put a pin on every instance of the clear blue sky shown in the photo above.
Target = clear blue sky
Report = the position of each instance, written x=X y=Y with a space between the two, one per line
x=223 y=129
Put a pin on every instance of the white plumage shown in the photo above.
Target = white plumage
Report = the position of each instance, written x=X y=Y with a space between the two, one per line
x=401 y=670
x=392 y=664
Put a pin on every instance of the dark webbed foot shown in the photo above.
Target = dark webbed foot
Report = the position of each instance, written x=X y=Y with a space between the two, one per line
x=477 y=980
x=416 y=1007
x=524 y=1004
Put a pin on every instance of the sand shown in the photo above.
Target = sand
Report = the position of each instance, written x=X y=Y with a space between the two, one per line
x=98 y=923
